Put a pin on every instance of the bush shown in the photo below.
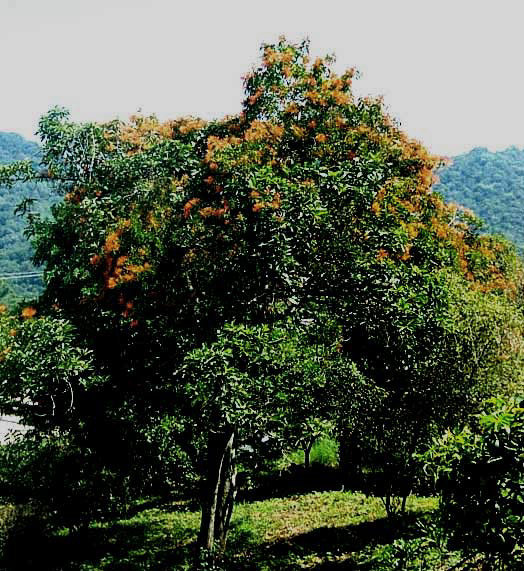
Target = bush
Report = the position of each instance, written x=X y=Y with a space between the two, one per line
x=61 y=483
x=479 y=473
x=22 y=526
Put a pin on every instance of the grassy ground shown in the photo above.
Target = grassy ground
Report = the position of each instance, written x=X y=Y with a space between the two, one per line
x=323 y=531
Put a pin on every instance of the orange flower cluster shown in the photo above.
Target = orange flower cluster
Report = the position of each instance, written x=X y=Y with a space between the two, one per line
x=252 y=99
x=4 y=353
x=298 y=131
x=216 y=212
x=292 y=109
x=112 y=243
x=114 y=271
x=151 y=220
x=375 y=208
x=28 y=312
x=75 y=196
x=382 y=254
x=119 y=271
x=142 y=132
x=187 y=125
x=263 y=131
x=188 y=206
x=272 y=56
x=406 y=253
x=274 y=203
x=413 y=229
x=216 y=144
x=314 y=97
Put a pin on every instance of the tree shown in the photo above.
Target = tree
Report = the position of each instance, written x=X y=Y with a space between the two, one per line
x=190 y=257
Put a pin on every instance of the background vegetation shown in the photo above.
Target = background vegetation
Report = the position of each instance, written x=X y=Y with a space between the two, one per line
x=15 y=249
x=492 y=185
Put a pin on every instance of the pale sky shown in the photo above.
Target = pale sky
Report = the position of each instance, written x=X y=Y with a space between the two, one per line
x=452 y=72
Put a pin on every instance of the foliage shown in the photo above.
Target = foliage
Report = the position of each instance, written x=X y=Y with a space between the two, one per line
x=472 y=350
x=492 y=184
x=479 y=472
x=46 y=374
x=15 y=250
x=41 y=473
x=42 y=369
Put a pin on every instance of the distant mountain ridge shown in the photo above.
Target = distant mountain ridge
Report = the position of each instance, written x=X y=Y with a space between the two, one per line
x=14 y=147
x=15 y=250
x=492 y=185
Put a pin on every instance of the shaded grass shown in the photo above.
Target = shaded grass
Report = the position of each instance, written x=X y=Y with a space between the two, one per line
x=320 y=531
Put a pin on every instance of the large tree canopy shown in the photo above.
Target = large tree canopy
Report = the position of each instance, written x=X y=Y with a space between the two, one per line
x=215 y=271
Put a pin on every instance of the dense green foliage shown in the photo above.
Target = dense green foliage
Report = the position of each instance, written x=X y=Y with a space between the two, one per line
x=480 y=477
x=15 y=249
x=492 y=185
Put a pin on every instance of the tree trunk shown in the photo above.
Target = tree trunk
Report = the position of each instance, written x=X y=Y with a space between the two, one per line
x=404 y=502
x=227 y=494
x=350 y=459
x=387 y=504
x=307 y=454
x=218 y=492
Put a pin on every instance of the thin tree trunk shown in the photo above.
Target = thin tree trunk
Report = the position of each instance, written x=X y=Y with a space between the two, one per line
x=219 y=491
x=350 y=459
x=307 y=454
x=387 y=503
x=227 y=494
x=404 y=502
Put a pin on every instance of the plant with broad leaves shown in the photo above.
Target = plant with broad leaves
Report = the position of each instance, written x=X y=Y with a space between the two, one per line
x=479 y=473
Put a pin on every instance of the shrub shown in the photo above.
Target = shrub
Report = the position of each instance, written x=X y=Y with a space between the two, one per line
x=479 y=473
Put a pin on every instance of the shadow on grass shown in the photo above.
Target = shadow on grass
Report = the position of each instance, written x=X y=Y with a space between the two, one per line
x=151 y=545
x=341 y=543
x=126 y=546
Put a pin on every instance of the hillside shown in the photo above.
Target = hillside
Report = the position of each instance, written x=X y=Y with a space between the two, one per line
x=15 y=250
x=492 y=185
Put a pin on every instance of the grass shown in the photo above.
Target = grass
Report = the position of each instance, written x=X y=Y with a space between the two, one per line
x=324 y=451
x=321 y=531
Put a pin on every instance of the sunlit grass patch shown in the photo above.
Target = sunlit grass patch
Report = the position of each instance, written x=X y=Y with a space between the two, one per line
x=320 y=531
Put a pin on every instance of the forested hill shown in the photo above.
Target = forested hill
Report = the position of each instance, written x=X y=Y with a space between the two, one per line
x=492 y=185
x=15 y=251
